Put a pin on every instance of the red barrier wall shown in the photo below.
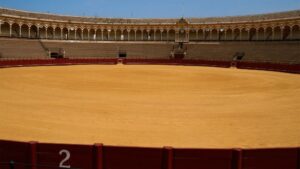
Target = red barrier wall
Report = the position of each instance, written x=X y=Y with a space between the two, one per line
x=291 y=68
x=43 y=156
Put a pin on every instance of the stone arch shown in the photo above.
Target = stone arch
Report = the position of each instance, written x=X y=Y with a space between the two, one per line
x=277 y=33
x=244 y=34
x=261 y=33
x=131 y=35
x=57 y=32
x=229 y=34
x=144 y=35
x=71 y=33
x=192 y=35
x=93 y=35
x=42 y=32
x=138 y=35
x=164 y=35
x=268 y=33
x=286 y=33
x=296 y=32
x=118 y=34
x=50 y=32
x=85 y=33
x=15 y=30
x=221 y=35
x=200 y=34
x=65 y=34
x=236 y=34
x=78 y=34
x=151 y=35
x=171 y=35
x=33 y=31
x=5 y=29
x=214 y=35
x=252 y=34
x=25 y=31
x=156 y=35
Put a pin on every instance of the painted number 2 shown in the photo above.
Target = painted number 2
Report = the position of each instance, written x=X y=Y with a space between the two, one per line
x=67 y=156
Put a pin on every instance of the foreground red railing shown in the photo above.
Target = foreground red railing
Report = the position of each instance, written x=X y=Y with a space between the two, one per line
x=33 y=155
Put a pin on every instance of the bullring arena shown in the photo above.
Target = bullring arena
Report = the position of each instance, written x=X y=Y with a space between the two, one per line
x=158 y=93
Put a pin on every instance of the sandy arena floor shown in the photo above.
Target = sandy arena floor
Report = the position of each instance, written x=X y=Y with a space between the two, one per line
x=150 y=106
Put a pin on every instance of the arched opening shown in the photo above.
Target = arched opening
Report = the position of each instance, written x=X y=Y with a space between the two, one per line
x=296 y=32
x=93 y=35
x=200 y=34
x=268 y=33
x=25 y=31
x=157 y=34
x=113 y=35
x=50 y=33
x=138 y=35
x=71 y=35
x=164 y=35
x=229 y=34
x=277 y=33
x=65 y=33
x=261 y=34
x=42 y=33
x=207 y=33
x=244 y=34
x=98 y=35
x=151 y=35
x=33 y=32
x=85 y=35
x=286 y=33
x=144 y=35
x=192 y=35
x=118 y=34
x=78 y=34
x=221 y=35
x=252 y=34
x=5 y=29
x=131 y=35
x=15 y=30
x=236 y=34
x=214 y=35
x=57 y=33
x=105 y=35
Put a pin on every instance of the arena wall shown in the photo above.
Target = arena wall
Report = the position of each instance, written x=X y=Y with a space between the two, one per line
x=33 y=155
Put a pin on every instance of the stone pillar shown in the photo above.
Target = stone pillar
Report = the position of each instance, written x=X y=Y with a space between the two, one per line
x=154 y=38
x=102 y=34
x=135 y=34
x=161 y=35
x=273 y=34
x=46 y=29
x=20 y=30
x=204 y=34
x=0 y=27
x=281 y=32
x=148 y=34
x=10 y=29
x=167 y=35
x=38 y=31
x=29 y=30
x=54 y=34
x=75 y=33
x=115 y=35
x=108 y=35
x=81 y=34
x=128 y=35
x=61 y=33
x=256 y=33
x=88 y=34
x=240 y=34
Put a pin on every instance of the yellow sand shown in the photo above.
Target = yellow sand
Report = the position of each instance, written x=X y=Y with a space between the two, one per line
x=150 y=106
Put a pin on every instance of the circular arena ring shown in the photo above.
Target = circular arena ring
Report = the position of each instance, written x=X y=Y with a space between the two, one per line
x=211 y=117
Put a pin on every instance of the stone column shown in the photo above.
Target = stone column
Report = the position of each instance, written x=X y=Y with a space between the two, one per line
x=128 y=35
x=281 y=32
x=20 y=30
x=54 y=34
x=38 y=31
x=240 y=34
x=10 y=29
x=102 y=34
x=115 y=35
x=81 y=34
x=29 y=30
x=135 y=34
x=46 y=29
x=273 y=34
x=0 y=27
x=75 y=33
x=256 y=33
x=154 y=38
x=88 y=34
x=61 y=33
x=167 y=35
x=161 y=34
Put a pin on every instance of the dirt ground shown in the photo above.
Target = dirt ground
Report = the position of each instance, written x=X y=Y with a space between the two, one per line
x=150 y=106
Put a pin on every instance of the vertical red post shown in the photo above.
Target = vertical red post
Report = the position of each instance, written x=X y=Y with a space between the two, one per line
x=239 y=158
x=98 y=156
x=33 y=156
x=170 y=157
